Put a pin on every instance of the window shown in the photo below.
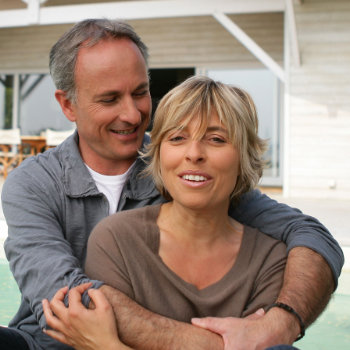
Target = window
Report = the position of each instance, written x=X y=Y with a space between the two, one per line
x=6 y=101
x=37 y=108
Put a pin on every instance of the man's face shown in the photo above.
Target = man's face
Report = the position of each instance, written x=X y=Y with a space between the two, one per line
x=113 y=104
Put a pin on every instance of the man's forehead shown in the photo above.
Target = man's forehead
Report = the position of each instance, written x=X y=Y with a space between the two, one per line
x=115 y=62
x=112 y=43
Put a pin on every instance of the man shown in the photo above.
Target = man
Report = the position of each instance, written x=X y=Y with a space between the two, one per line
x=52 y=202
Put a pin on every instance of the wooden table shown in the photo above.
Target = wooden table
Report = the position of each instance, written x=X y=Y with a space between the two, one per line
x=37 y=143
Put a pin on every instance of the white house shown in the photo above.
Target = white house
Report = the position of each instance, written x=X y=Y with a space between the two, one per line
x=293 y=56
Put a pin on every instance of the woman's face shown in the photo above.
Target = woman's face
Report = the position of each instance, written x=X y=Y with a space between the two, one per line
x=199 y=173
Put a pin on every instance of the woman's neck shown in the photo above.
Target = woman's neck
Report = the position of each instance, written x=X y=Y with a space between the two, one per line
x=199 y=247
x=198 y=226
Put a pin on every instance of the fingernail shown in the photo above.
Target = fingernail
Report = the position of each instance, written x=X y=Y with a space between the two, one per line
x=260 y=312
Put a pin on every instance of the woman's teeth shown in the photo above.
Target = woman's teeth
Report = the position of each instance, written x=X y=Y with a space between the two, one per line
x=194 y=178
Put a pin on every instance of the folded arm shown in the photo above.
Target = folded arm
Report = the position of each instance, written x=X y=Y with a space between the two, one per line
x=313 y=267
x=136 y=324
x=96 y=328
x=79 y=327
x=289 y=225
x=40 y=257
x=315 y=258
x=307 y=296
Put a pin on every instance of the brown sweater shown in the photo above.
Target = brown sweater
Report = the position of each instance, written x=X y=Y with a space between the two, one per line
x=123 y=252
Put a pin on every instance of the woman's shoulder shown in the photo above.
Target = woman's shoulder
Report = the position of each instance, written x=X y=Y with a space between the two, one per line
x=262 y=242
x=136 y=215
x=129 y=223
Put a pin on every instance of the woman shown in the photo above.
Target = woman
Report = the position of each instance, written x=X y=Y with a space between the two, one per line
x=187 y=258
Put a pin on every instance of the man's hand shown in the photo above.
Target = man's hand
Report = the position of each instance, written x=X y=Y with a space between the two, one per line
x=79 y=327
x=257 y=331
x=306 y=290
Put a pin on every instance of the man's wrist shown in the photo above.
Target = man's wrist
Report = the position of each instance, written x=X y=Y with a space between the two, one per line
x=283 y=325
x=290 y=310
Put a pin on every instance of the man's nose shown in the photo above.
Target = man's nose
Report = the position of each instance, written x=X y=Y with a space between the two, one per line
x=195 y=151
x=129 y=113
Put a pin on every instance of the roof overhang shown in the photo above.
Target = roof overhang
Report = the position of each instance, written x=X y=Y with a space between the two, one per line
x=35 y=14
x=49 y=15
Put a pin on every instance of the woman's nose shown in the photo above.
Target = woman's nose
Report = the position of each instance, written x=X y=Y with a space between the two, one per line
x=195 y=152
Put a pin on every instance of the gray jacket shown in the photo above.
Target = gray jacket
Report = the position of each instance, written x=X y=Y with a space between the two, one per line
x=51 y=204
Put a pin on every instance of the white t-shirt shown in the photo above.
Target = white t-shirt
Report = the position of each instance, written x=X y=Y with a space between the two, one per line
x=111 y=186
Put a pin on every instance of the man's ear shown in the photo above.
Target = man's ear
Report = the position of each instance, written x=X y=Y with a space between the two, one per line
x=66 y=104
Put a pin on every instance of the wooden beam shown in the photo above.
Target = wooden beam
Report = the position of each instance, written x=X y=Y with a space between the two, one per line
x=251 y=45
x=33 y=10
x=292 y=29
x=128 y=10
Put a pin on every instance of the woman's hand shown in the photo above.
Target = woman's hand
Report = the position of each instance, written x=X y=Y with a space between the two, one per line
x=79 y=327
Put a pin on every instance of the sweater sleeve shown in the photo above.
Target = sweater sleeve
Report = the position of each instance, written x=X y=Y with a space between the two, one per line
x=268 y=281
x=104 y=259
x=40 y=257
x=290 y=226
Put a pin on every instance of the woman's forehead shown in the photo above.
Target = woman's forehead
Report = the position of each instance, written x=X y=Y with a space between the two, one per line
x=200 y=121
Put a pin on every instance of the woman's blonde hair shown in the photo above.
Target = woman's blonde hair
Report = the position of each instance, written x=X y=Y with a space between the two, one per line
x=201 y=97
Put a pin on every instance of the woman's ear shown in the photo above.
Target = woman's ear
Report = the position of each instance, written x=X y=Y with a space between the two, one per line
x=66 y=105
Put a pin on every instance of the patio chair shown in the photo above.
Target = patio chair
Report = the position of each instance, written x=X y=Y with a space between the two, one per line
x=54 y=138
x=11 y=150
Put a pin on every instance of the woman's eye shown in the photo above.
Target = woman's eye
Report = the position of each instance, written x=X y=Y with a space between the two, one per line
x=176 y=138
x=217 y=139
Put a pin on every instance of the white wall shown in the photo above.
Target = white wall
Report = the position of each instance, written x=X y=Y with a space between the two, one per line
x=173 y=42
x=319 y=124
x=319 y=146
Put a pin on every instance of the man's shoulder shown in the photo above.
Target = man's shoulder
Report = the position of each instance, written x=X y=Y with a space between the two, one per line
x=36 y=168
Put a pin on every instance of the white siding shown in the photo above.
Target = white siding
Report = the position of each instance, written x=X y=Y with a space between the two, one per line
x=203 y=42
x=319 y=147
x=319 y=124
x=27 y=49
x=174 y=42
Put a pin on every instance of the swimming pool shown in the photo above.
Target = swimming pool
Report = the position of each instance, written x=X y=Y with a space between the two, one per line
x=330 y=331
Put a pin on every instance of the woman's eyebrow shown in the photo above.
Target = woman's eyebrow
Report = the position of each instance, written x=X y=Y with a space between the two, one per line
x=216 y=128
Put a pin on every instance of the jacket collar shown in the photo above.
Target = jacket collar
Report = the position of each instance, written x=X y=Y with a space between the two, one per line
x=138 y=186
x=78 y=182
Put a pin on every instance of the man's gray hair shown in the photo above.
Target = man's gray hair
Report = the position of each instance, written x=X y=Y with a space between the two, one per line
x=87 y=33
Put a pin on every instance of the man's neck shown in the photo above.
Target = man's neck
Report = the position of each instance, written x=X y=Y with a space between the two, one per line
x=111 y=168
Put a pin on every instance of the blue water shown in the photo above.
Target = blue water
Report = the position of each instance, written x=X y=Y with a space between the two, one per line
x=330 y=331
x=9 y=294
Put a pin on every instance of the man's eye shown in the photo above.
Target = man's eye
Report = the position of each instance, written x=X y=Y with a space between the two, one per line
x=141 y=93
x=109 y=100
